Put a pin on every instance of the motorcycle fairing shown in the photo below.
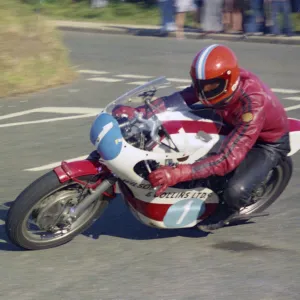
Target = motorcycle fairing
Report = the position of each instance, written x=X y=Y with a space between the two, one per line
x=294 y=126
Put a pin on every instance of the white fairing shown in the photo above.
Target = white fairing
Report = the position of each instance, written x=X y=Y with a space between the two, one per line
x=187 y=204
x=188 y=144
x=191 y=147
x=294 y=142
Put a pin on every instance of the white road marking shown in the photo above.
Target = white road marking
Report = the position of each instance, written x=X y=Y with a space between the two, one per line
x=21 y=113
x=134 y=76
x=59 y=110
x=163 y=87
x=92 y=72
x=73 y=90
x=104 y=79
x=293 y=98
x=58 y=163
x=70 y=110
x=84 y=112
x=179 y=80
x=294 y=107
x=285 y=91
x=48 y=120
x=274 y=90
x=137 y=82
x=55 y=164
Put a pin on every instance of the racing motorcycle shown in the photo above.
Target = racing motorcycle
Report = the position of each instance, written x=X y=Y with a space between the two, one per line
x=64 y=202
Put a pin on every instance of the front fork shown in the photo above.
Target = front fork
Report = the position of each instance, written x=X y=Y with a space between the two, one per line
x=76 y=211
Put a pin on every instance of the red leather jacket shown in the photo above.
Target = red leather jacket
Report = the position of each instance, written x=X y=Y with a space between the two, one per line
x=256 y=115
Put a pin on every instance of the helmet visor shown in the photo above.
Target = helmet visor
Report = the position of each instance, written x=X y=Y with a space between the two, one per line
x=209 y=89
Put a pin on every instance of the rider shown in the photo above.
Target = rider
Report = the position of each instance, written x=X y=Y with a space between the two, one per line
x=258 y=140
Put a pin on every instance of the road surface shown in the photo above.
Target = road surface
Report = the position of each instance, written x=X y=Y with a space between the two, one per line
x=119 y=258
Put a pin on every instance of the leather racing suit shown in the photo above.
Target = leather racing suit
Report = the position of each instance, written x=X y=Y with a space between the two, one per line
x=258 y=140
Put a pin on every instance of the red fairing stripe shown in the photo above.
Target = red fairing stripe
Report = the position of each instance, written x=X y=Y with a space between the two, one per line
x=155 y=211
x=173 y=127
x=194 y=126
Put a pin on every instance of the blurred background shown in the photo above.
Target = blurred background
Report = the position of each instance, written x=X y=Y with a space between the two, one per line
x=251 y=17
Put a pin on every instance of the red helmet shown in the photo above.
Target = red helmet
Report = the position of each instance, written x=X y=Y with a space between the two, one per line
x=215 y=74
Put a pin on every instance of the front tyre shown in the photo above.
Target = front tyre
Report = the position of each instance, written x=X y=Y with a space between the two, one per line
x=36 y=218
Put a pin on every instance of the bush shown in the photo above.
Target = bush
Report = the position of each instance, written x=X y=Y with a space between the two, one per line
x=31 y=53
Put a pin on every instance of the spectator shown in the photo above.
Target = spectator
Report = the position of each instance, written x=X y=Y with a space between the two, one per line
x=182 y=7
x=212 y=16
x=284 y=7
x=167 y=15
x=199 y=5
x=268 y=16
x=232 y=16
x=256 y=19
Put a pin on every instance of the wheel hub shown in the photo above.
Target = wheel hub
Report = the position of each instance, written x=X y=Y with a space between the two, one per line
x=51 y=215
x=262 y=193
x=259 y=192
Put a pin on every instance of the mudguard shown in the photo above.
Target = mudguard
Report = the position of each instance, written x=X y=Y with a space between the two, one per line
x=76 y=169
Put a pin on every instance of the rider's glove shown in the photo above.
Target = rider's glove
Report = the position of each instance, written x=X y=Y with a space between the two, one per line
x=123 y=110
x=158 y=105
x=168 y=176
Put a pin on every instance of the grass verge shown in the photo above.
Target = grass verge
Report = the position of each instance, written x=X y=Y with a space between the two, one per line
x=32 y=56
x=123 y=13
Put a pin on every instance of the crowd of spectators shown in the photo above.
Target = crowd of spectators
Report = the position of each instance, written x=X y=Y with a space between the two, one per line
x=251 y=17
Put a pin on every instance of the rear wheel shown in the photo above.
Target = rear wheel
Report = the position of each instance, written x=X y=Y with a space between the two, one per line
x=36 y=219
x=270 y=190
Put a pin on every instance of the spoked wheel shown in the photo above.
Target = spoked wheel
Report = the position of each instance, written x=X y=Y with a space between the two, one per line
x=38 y=219
x=275 y=183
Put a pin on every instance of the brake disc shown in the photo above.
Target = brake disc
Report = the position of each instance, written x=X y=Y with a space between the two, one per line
x=54 y=210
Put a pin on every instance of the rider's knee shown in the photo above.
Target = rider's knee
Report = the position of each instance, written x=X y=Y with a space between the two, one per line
x=236 y=195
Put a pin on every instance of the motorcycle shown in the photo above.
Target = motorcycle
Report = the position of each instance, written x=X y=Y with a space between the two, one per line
x=64 y=202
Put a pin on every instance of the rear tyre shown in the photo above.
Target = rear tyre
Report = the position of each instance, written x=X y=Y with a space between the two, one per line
x=44 y=201
x=265 y=195
x=275 y=183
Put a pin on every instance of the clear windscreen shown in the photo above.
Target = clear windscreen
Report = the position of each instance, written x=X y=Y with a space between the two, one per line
x=160 y=118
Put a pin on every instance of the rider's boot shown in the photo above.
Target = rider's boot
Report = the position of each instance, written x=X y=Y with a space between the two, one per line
x=219 y=218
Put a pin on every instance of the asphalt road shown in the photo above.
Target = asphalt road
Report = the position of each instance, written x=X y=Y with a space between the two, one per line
x=119 y=258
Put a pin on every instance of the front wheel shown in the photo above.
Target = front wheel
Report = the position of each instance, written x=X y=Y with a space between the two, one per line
x=36 y=218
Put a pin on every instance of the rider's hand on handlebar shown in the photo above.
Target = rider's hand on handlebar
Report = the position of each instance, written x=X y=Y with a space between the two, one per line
x=158 y=105
x=166 y=176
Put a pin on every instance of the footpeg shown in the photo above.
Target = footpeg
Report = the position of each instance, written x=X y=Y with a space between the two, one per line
x=250 y=216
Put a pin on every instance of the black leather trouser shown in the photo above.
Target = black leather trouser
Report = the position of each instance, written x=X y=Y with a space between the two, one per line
x=251 y=172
